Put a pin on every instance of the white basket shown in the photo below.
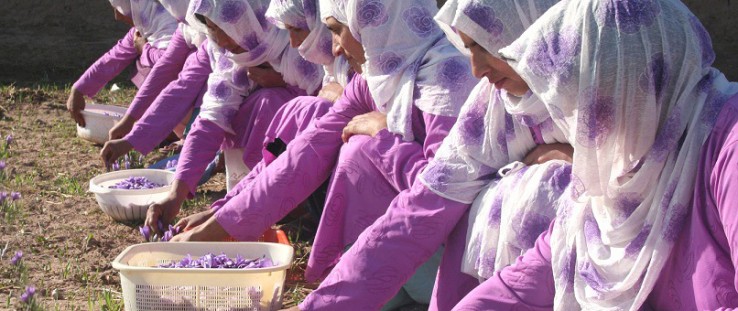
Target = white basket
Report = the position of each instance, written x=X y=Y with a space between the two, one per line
x=130 y=205
x=148 y=288
x=97 y=124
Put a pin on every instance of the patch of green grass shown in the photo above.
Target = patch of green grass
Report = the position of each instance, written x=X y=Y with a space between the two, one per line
x=68 y=185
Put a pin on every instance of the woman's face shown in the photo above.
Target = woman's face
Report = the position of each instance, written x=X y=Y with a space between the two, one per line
x=497 y=71
x=345 y=44
x=297 y=35
x=122 y=18
x=222 y=39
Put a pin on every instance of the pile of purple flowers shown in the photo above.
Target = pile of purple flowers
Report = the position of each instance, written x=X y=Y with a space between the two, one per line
x=211 y=261
x=168 y=234
x=112 y=114
x=135 y=183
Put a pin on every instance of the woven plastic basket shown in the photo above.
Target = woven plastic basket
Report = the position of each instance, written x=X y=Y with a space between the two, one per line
x=148 y=288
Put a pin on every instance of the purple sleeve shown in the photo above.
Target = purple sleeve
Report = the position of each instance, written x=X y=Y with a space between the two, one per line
x=724 y=181
x=172 y=105
x=388 y=252
x=151 y=55
x=526 y=285
x=295 y=174
x=242 y=184
x=165 y=71
x=400 y=161
x=200 y=147
x=108 y=66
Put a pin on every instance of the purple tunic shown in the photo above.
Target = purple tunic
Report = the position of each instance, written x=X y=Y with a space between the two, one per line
x=250 y=125
x=173 y=103
x=114 y=62
x=292 y=119
x=268 y=194
x=700 y=273
x=164 y=71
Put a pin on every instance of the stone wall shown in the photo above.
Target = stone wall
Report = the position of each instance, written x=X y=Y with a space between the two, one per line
x=55 y=40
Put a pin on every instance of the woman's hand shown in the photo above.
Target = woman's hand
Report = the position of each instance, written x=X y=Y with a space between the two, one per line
x=331 y=91
x=139 y=42
x=75 y=105
x=192 y=221
x=366 y=124
x=114 y=149
x=210 y=230
x=544 y=153
x=265 y=76
x=167 y=209
x=122 y=128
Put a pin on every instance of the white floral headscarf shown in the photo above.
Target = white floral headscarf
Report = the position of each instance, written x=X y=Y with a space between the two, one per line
x=192 y=34
x=631 y=84
x=317 y=46
x=150 y=19
x=493 y=131
x=408 y=59
x=245 y=22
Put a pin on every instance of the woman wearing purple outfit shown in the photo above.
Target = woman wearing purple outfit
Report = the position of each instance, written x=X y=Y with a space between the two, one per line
x=650 y=222
x=252 y=47
x=185 y=41
x=414 y=76
x=486 y=138
x=145 y=42
x=153 y=116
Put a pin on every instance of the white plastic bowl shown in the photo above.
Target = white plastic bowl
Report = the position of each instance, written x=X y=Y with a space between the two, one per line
x=97 y=123
x=129 y=205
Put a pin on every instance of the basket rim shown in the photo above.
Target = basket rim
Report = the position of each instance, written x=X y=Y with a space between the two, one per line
x=119 y=265
x=97 y=189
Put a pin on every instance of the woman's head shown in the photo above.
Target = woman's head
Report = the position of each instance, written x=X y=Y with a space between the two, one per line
x=482 y=27
x=122 y=11
x=220 y=38
x=345 y=44
x=307 y=34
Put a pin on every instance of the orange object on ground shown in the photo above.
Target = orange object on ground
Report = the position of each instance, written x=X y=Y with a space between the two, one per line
x=272 y=235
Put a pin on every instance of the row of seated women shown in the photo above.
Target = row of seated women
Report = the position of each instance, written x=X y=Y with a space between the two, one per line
x=490 y=155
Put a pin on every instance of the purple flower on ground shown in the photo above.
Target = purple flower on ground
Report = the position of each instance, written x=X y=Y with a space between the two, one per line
x=27 y=296
x=2 y=165
x=15 y=196
x=116 y=166
x=3 y=196
x=419 y=20
x=16 y=258
x=9 y=139
x=371 y=12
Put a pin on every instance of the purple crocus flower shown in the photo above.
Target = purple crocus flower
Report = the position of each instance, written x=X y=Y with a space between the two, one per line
x=116 y=166
x=15 y=195
x=145 y=232
x=9 y=139
x=3 y=196
x=128 y=165
x=2 y=165
x=16 y=258
x=27 y=296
